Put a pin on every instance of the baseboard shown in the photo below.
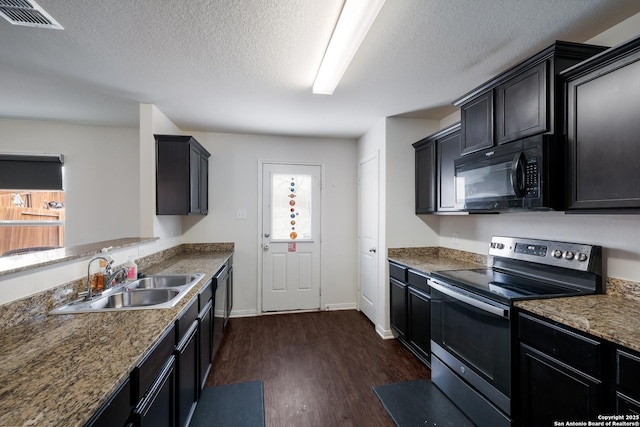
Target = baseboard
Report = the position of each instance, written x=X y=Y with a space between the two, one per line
x=384 y=333
x=243 y=313
x=344 y=306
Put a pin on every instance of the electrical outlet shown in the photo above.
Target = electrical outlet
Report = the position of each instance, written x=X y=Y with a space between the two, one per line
x=241 y=214
x=455 y=239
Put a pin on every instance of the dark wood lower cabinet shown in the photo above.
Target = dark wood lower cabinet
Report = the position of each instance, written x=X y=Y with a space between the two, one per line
x=188 y=378
x=205 y=340
x=157 y=409
x=398 y=301
x=114 y=413
x=420 y=323
x=553 y=391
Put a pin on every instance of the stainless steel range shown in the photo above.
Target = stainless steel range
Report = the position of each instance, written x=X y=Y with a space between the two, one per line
x=473 y=331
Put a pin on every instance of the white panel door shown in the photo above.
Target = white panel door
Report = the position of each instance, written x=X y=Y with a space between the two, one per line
x=290 y=237
x=368 y=235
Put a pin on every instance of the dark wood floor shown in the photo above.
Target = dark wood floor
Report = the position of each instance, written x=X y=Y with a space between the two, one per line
x=318 y=369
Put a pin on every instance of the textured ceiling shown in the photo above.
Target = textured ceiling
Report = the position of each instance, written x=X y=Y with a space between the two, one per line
x=248 y=65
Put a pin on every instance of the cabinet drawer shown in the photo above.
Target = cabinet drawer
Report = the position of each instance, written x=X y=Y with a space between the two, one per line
x=581 y=352
x=419 y=280
x=398 y=272
x=626 y=405
x=628 y=373
x=146 y=372
x=186 y=319
x=205 y=295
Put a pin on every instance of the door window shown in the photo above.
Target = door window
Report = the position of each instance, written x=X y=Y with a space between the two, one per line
x=291 y=217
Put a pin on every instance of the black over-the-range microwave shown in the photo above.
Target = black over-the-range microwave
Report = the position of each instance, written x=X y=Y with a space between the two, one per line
x=524 y=174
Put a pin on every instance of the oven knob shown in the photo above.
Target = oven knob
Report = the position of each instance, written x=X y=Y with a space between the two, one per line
x=568 y=255
x=582 y=257
x=500 y=245
x=557 y=253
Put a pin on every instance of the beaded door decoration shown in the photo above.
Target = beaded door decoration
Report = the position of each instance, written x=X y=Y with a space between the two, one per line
x=291 y=207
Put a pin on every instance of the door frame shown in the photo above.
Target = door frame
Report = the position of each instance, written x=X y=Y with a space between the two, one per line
x=260 y=214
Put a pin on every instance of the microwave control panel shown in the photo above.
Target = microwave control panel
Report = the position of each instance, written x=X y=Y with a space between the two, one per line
x=531 y=187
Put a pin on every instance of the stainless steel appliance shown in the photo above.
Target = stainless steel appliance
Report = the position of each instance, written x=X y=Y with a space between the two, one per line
x=526 y=174
x=473 y=333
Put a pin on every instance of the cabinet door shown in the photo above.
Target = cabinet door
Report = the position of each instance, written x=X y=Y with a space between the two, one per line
x=205 y=343
x=172 y=197
x=448 y=149
x=552 y=391
x=188 y=378
x=426 y=177
x=116 y=411
x=477 y=123
x=603 y=129
x=420 y=323
x=398 y=300
x=157 y=409
x=204 y=184
x=521 y=105
x=194 y=180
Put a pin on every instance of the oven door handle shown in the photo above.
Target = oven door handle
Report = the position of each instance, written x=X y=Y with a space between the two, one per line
x=468 y=300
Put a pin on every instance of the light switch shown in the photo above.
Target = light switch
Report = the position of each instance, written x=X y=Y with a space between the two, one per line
x=241 y=214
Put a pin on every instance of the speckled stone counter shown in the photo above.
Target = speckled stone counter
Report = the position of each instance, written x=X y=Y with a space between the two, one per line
x=430 y=259
x=614 y=316
x=57 y=370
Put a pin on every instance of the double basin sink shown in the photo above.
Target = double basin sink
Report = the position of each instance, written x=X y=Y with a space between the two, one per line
x=162 y=291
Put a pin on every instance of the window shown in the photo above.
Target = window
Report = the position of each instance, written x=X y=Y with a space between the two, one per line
x=291 y=207
x=31 y=203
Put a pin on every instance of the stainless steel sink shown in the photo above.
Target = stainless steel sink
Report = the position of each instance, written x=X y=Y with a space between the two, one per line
x=152 y=282
x=139 y=298
x=152 y=292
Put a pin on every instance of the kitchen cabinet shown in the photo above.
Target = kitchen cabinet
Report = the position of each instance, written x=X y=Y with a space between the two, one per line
x=182 y=176
x=425 y=176
x=116 y=411
x=562 y=375
x=448 y=146
x=603 y=100
x=153 y=384
x=157 y=408
x=523 y=101
x=435 y=172
x=205 y=332
x=627 y=382
x=410 y=310
x=186 y=354
x=222 y=302
x=476 y=116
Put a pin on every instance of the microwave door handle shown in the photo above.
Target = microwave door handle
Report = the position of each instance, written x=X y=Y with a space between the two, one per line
x=469 y=300
x=516 y=166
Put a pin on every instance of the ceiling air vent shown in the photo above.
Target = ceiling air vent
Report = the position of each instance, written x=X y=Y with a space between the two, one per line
x=27 y=13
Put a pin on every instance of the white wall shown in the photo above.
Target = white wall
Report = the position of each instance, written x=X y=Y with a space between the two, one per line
x=233 y=184
x=100 y=174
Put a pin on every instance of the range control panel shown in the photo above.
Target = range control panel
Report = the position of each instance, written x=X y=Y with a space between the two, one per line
x=576 y=256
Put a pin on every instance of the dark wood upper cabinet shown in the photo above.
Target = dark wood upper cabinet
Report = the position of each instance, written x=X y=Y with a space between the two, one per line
x=435 y=172
x=448 y=149
x=182 y=176
x=477 y=123
x=426 y=177
x=603 y=131
x=523 y=101
x=521 y=105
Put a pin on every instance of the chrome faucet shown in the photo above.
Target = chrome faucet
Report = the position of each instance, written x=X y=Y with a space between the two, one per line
x=108 y=271
x=109 y=281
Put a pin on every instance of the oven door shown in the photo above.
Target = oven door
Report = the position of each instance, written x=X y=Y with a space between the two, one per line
x=472 y=336
x=495 y=179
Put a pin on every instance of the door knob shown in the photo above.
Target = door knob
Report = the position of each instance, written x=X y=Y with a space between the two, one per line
x=266 y=246
x=372 y=250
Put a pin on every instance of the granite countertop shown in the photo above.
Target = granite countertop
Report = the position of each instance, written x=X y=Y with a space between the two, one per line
x=614 y=316
x=58 y=370
x=431 y=259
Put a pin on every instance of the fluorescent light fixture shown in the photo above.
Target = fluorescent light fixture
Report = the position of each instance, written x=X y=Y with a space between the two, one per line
x=354 y=23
